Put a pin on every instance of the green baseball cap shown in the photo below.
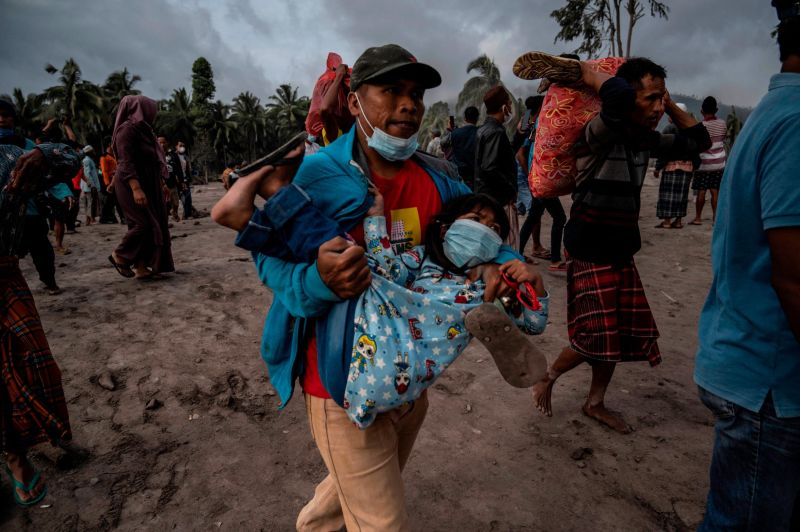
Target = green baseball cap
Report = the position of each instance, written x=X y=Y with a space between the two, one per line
x=378 y=61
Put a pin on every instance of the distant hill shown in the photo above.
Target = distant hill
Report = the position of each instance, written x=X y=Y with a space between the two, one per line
x=694 y=103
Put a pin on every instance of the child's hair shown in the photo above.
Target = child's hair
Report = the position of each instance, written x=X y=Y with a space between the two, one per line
x=450 y=212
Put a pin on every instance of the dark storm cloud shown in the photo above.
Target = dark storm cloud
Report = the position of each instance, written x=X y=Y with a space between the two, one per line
x=719 y=47
x=153 y=39
x=243 y=10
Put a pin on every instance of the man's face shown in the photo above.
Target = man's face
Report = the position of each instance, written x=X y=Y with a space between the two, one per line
x=649 y=102
x=163 y=143
x=6 y=120
x=394 y=106
x=181 y=147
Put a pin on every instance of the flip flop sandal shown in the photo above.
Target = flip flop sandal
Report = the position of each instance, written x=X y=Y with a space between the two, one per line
x=542 y=254
x=520 y=363
x=559 y=268
x=149 y=278
x=535 y=65
x=123 y=270
x=27 y=489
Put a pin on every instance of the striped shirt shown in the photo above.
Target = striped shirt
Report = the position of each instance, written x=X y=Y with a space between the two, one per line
x=714 y=158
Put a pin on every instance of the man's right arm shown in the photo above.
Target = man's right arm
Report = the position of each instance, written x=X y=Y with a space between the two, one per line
x=784 y=245
x=618 y=100
x=780 y=215
x=306 y=289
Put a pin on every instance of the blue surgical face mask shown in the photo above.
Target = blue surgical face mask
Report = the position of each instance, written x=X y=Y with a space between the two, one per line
x=468 y=243
x=389 y=147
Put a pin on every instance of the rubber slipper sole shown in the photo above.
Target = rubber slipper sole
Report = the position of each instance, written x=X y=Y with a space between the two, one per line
x=124 y=271
x=535 y=65
x=520 y=363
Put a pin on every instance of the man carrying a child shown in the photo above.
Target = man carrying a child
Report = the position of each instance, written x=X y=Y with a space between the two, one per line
x=364 y=488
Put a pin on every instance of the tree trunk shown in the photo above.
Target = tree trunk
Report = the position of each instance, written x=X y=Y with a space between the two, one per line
x=618 y=28
x=633 y=17
x=613 y=42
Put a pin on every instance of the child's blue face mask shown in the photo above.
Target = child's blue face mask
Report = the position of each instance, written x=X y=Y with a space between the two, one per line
x=468 y=243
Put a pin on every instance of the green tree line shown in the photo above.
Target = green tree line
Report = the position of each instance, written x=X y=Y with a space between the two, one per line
x=218 y=134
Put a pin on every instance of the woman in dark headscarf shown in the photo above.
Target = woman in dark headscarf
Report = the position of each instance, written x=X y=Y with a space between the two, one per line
x=145 y=249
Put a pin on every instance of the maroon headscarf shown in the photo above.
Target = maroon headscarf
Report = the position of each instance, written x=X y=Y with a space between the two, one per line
x=140 y=111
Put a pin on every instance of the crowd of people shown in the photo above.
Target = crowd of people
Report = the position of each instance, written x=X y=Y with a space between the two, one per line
x=416 y=253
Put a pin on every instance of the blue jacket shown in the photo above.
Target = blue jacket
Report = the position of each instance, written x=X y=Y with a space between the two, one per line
x=336 y=179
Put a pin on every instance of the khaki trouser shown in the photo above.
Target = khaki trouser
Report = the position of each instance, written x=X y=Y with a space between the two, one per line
x=364 y=486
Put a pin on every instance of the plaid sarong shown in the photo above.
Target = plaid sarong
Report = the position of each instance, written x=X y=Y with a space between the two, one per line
x=32 y=405
x=608 y=314
x=673 y=194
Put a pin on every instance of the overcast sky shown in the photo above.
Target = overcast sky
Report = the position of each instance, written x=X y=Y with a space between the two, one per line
x=719 y=47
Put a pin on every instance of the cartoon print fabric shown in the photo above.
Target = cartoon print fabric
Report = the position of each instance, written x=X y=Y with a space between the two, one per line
x=409 y=326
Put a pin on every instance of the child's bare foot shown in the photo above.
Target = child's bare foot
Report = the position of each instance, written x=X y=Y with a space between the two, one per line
x=274 y=178
x=542 y=392
x=601 y=414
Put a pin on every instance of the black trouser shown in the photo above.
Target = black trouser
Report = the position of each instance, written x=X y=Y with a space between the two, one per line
x=35 y=242
x=188 y=210
x=72 y=215
x=556 y=211
x=109 y=204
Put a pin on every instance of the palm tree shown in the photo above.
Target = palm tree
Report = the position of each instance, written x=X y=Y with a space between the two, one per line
x=29 y=108
x=733 y=125
x=174 y=118
x=248 y=115
x=118 y=85
x=475 y=87
x=222 y=129
x=78 y=100
x=435 y=118
x=287 y=109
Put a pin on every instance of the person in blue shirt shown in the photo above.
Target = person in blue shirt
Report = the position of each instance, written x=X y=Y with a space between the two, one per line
x=748 y=362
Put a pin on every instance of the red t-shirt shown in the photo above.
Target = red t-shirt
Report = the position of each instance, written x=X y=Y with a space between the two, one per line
x=411 y=199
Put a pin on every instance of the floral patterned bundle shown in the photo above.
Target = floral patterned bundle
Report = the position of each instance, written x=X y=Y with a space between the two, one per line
x=565 y=112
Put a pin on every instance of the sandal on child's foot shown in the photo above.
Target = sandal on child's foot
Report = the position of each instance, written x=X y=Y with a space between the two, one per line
x=520 y=363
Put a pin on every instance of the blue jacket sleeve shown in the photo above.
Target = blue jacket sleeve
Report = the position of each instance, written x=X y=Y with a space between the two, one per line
x=298 y=286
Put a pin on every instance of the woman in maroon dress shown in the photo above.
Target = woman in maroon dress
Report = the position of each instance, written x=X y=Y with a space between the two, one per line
x=145 y=249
